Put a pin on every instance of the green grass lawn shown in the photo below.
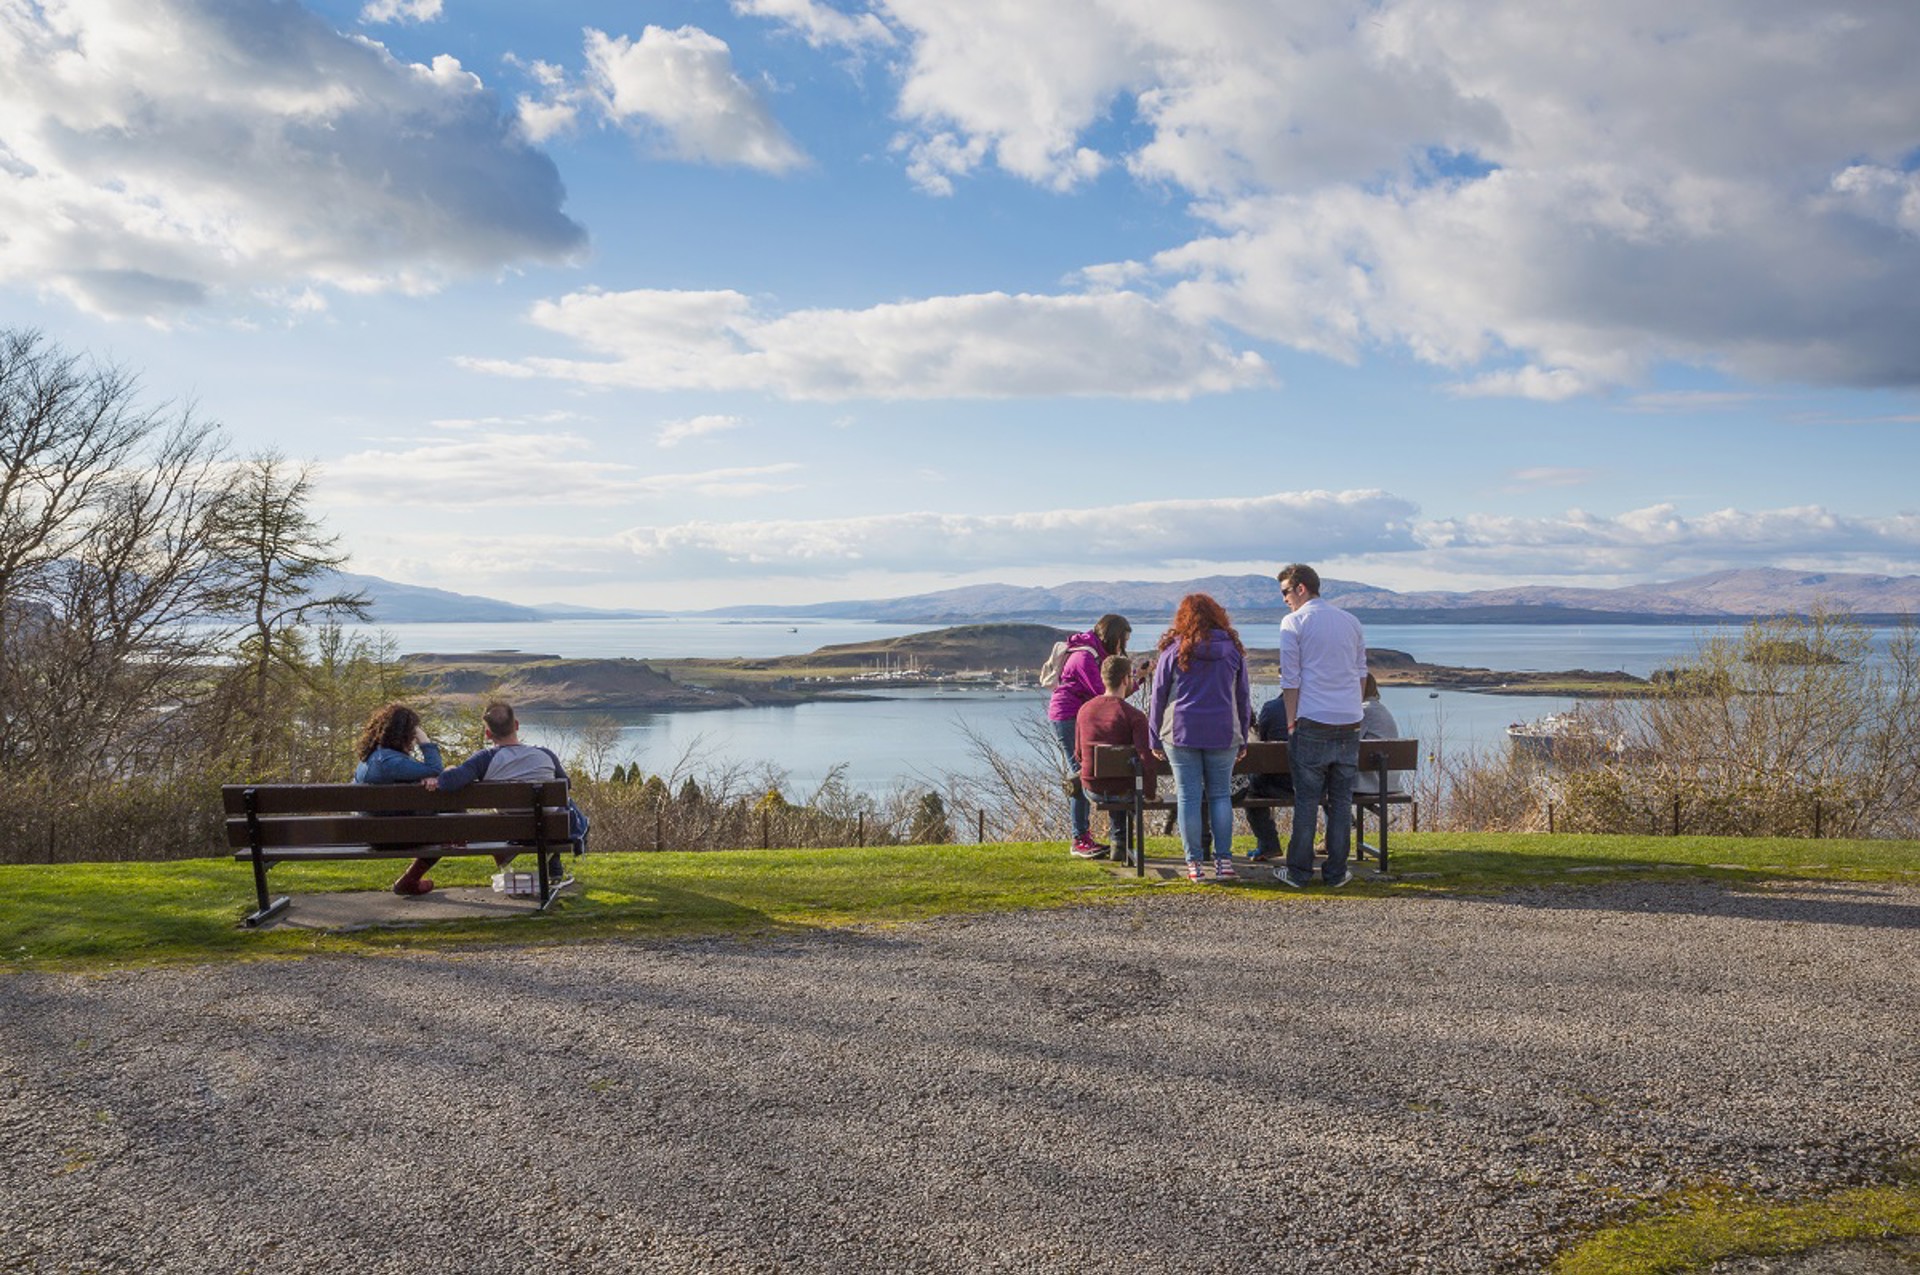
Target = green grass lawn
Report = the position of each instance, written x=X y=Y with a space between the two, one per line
x=75 y=915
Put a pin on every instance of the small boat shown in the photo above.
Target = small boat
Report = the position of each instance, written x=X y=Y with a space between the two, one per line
x=1559 y=733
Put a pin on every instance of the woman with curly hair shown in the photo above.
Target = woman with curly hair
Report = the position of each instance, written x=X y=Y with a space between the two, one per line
x=1202 y=703
x=386 y=756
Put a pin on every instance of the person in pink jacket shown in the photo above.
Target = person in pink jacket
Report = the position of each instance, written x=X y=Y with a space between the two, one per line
x=1080 y=682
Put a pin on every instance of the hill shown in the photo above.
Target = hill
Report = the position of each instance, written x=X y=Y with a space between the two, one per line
x=1716 y=596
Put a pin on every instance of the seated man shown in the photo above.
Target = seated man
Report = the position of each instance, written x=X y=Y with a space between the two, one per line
x=1269 y=725
x=510 y=761
x=1109 y=719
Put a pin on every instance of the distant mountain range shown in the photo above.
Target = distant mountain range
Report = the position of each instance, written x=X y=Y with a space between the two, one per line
x=1719 y=595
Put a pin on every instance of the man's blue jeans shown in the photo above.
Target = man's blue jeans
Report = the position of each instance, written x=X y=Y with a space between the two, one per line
x=1326 y=760
x=1203 y=777
x=1078 y=807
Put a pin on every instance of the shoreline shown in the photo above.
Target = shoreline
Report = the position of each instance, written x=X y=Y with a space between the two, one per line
x=975 y=658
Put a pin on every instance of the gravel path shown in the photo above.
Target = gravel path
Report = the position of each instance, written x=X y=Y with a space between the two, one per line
x=1224 y=1081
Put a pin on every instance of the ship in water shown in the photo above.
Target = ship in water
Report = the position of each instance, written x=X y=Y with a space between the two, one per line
x=1559 y=735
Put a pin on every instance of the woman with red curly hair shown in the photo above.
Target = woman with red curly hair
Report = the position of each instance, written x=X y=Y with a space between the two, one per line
x=1201 y=706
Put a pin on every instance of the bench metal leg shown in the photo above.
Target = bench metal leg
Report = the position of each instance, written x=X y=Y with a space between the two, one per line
x=267 y=912
x=268 y=909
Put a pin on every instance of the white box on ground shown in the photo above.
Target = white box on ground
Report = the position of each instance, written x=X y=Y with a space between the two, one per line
x=516 y=883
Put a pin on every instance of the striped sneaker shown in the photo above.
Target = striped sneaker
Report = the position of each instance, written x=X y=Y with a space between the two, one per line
x=1193 y=869
x=1223 y=870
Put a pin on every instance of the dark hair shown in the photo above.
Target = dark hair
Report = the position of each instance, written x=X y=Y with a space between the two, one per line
x=500 y=719
x=1114 y=671
x=1369 y=689
x=1113 y=632
x=1301 y=574
x=1198 y=616
x=392 y=727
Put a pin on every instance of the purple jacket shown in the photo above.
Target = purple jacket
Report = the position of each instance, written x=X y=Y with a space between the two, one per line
x=1079 y=677
x=1205 y=706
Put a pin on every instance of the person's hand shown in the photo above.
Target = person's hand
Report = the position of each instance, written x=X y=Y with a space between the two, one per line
x=1242 y=754
x=1157 y=753
x=420 y=735
x=431 y=783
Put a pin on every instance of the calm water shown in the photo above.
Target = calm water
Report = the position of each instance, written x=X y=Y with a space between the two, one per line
x=1632 y=648
x=915 y=734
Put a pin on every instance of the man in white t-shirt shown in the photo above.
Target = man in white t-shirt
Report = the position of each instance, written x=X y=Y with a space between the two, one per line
x=1323 y=662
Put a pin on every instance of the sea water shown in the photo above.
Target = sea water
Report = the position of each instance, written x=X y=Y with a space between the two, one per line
x=913 y=736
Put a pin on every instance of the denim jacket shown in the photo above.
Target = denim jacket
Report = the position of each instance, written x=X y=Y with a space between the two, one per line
x=389 y=766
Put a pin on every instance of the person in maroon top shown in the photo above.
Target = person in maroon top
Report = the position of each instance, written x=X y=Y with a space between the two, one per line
x=1109 y=719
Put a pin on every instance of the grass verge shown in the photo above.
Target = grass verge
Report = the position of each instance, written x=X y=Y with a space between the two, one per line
x=119 y=913
x=1712 y=1228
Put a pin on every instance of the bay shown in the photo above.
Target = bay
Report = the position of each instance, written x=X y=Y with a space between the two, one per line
x=912 y=736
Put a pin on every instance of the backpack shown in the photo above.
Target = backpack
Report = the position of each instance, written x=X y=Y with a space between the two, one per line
x=1056 y=660
x=577 y=825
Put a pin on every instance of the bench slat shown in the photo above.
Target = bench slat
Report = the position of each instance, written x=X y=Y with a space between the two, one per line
x=290 y=854
x=1400 y=754
x=314 y=799
x=389 y=830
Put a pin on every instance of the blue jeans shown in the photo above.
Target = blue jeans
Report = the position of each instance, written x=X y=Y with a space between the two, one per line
x=1078 y=807
x=1326 y=760
x=1203 y=778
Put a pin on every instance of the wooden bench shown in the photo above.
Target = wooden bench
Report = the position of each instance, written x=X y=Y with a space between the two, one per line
x=280 y=823
x=1382 y=758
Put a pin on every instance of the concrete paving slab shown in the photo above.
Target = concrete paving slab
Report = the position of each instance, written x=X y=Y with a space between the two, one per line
x=371 y=909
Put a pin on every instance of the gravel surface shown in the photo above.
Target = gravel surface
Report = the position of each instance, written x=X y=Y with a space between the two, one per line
x=1220 y=1081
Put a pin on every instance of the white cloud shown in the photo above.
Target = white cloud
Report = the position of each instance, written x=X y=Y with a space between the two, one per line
x=676 y=91
x=1551 y=204
x=819 y=24
x=674 y=433
x=504 y=471
x=682 y=83
x=400 y=11
x=990 y=345
x=1539 y=476
x=1692 y=400
x=1178 y=533
x=162 y=154
x=1661 y=542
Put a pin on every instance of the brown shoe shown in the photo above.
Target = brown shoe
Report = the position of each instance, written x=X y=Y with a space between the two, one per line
x=414 y=886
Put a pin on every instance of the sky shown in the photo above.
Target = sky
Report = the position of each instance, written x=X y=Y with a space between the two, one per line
x=685 y=304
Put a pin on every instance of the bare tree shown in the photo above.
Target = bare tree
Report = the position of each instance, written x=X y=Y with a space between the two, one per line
x=107 y=512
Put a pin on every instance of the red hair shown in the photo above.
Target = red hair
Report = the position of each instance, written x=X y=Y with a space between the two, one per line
x=1198 y=616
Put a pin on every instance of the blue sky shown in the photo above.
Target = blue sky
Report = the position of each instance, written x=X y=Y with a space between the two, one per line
x=685 y=304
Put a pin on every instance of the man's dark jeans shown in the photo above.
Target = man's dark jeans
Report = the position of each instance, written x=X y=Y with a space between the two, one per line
x=1260 y=820
x=1326 y=760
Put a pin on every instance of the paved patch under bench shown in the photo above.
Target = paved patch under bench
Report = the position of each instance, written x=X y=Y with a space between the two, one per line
x=372 y=909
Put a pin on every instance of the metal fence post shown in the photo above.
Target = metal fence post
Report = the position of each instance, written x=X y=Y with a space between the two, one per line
x=863 y=829
x=763 y=830
x=1816 y=820
x=1676 y=814
x=659 y=841
x=1549 y=818
x=981 y=836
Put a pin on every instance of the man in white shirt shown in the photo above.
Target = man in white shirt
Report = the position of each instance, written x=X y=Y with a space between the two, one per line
x=1323 y=662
